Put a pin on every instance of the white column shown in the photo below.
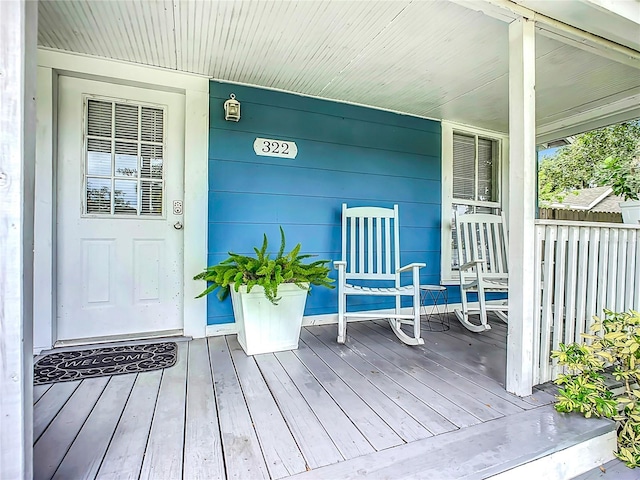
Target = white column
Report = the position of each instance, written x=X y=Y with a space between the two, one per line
x=522 y=200
x=44 y=281
x=18 y=27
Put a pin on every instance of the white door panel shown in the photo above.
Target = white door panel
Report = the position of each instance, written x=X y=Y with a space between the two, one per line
x=119 y=273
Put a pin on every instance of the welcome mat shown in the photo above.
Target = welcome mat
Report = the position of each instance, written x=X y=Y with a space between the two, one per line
x=99 y=362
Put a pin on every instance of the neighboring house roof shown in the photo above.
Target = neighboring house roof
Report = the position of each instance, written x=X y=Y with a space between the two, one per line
x=598 y=199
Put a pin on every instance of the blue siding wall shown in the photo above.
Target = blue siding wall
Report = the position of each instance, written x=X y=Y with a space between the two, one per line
x=346 y=154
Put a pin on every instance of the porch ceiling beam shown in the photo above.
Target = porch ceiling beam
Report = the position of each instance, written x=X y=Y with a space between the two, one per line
x=589 y=119
x=508 y=11
x=18 y=26
x=522 y=190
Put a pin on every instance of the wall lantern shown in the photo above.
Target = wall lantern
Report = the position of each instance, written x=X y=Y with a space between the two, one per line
x=232 y=109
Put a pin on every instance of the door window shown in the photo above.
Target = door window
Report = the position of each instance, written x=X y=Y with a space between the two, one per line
x=124 y=159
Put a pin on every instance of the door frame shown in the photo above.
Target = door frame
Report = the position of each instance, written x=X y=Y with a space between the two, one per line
x=195 y=89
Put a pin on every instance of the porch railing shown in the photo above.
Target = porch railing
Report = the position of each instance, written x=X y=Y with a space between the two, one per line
x=581 y=269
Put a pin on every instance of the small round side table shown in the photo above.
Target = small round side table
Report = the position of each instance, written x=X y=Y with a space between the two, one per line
x=436 y=297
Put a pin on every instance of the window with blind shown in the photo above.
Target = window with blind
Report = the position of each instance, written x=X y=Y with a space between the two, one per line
x=475 y=180
x=124 y=159
x=471 y=183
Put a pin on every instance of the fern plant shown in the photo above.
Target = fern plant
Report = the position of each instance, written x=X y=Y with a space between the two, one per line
x=265 y=271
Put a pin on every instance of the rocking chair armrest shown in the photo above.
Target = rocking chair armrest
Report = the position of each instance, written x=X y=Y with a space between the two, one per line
x=471 y=264
x=339 y=264
x=410 y=266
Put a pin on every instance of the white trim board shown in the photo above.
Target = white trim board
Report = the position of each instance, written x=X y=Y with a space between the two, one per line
x=567 y=463
x=196 y=92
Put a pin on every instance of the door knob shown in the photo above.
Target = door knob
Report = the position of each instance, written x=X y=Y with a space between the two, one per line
x=177 y=226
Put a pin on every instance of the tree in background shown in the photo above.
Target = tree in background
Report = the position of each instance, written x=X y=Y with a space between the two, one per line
x=582 y=163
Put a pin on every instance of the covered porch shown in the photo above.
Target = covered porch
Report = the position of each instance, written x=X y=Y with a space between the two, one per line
x=513 y=73
x=373 y=407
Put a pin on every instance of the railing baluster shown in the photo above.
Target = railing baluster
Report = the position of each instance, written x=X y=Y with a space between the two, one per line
x=581 y=286
x=621 y=262
x=592 y=278
x=603 y=258
x=571 y=284
x=632 y=264
x=537 y=300
x=547 y=299
x=612 y=273
x=370 y=245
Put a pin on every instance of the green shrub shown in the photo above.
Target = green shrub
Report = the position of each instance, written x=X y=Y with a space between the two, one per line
x=266 y=272
x=614 y=347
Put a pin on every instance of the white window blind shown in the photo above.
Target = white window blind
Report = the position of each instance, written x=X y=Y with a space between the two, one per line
x=475 y=186
x=474 y=172
x=464 y=166
x=124 y=152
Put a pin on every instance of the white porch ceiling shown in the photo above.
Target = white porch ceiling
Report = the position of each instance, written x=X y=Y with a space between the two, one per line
x=433 y=59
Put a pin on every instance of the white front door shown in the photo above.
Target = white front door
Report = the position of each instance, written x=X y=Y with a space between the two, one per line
x=119 y=237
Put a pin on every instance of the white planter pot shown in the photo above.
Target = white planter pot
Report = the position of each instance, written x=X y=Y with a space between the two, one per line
x=264 y=327
x=630 y=211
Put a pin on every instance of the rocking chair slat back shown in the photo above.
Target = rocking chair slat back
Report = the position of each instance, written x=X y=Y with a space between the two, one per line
x=372 y=236
x=483 y=237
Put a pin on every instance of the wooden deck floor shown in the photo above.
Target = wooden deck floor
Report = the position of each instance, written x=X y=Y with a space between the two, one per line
x=220 y=414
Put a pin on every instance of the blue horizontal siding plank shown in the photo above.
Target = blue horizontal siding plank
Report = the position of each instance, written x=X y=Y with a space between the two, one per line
x=238 y=146
x=294 y=125
x=241 y=238
x=220 y=91
x=231 y=207
x=274 y=179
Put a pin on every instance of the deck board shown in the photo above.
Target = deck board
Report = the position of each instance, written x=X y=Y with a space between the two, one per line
x=282 y=455
x=415 y=358
x=429 y=418
x=342 y=431
x=125 y=453
x=39 y=391
x=54 y=442
x=407 y=427
x=202 y=443
x=448 y=409
x=496 y=336
x=50 y=404
x=314 y=441
x=459 y=397
x=469 y=351
x=438 y=352
x=83 y=459
x=379 y=434
x=164 y=453
x=242 y=454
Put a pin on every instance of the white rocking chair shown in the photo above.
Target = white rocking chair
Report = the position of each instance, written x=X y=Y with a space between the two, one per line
x=482 y=255
x=370 y=266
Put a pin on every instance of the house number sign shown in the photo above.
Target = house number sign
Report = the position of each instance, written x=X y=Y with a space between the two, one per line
x=267 y=147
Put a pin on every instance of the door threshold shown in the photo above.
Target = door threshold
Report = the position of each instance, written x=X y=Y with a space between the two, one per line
x=119 y=340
